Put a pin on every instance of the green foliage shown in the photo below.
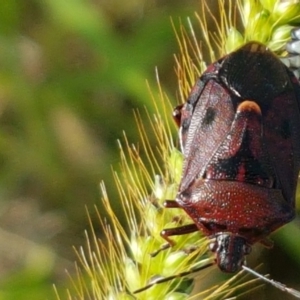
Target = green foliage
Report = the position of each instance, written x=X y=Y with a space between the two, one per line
x=71 y=73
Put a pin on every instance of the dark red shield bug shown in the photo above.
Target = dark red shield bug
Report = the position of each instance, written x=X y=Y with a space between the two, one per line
x=240 y=137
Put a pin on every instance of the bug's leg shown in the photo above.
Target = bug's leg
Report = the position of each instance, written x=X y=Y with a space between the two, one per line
x=292 y=61
x=267 y=243
x=171 y=204
x=166 y=233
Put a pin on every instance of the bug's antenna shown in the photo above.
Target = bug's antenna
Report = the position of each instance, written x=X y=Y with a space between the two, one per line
x=274 y=283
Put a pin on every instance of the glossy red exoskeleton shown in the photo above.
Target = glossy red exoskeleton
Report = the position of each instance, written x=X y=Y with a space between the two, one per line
x=240 y=138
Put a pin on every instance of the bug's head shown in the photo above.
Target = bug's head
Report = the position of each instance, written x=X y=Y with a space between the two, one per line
x=230 y=251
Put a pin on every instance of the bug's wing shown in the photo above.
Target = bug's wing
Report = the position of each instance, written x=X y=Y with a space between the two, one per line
x=209 y=125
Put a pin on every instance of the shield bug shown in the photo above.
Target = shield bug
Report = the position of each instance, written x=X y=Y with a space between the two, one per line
x=240 y=138
x=239 y=133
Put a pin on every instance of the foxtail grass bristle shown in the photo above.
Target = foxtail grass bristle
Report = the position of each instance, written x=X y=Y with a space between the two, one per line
x=120 y=263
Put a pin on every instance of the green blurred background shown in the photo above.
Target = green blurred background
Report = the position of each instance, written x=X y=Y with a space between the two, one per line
x=71 y=72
